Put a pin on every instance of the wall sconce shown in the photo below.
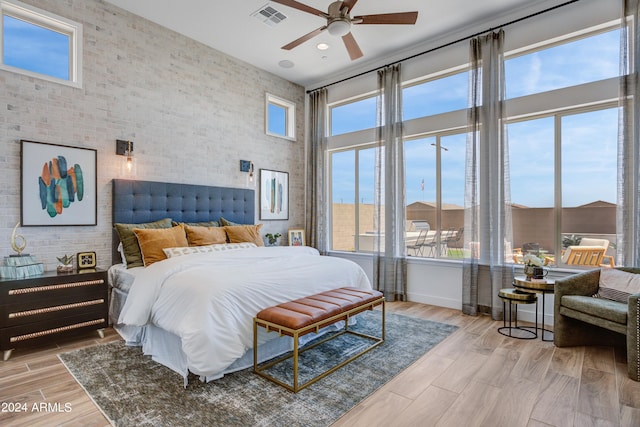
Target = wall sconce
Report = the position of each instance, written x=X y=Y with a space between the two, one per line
x=125 y=148
x=247 y=166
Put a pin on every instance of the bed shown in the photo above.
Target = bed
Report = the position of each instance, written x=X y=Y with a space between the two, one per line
x=193 y=311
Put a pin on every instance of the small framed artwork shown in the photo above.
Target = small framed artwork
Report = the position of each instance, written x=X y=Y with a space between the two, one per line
x=274 y=195
x=58 y=185
x=86 y=260
x=296 y=237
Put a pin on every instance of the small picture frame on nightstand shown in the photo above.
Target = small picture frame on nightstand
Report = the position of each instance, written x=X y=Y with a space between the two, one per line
x=86 y=260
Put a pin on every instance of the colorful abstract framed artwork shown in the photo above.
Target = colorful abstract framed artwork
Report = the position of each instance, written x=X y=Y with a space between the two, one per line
x=58 y=185
x=274 y=195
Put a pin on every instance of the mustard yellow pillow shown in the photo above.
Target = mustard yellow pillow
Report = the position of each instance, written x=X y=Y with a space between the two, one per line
x=130 y=247
x=152 y=241
x=244 y=233
x=200 y=236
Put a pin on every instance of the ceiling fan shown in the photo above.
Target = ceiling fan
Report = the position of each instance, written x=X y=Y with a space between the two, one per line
x=339 y=22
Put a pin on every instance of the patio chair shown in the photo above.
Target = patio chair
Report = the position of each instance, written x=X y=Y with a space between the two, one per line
x=590 y=252
x=418 y=245
x=453 y=242
x=431 y=244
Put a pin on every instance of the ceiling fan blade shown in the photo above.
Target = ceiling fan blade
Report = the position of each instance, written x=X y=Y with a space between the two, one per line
x=349 y=4
x=304 y=38
x=387 y=18
x=303 y=7
x=352 y=46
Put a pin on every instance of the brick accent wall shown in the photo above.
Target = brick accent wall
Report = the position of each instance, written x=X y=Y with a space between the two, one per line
x=192 y=112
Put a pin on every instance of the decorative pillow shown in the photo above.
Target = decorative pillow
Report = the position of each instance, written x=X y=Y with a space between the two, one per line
x=200 y=236
x=152 y=242
x=617 y=285
x=224 y=222
x=122 y=256
x=174 y=252
x=132 y=254
x=244 y=233
x=198 y=224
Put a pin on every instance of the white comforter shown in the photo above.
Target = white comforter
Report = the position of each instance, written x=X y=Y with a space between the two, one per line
x=209 y=300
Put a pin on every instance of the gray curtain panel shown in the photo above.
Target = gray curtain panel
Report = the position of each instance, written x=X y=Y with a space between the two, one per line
x=390 y=262
x=628 y=211
x=316 y=200
x=488 y=226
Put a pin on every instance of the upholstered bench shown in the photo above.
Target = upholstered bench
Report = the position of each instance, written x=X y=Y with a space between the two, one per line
x=310 y=314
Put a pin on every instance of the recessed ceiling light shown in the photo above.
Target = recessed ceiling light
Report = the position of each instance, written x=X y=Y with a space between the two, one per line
x=322 y=46
x=285 y=63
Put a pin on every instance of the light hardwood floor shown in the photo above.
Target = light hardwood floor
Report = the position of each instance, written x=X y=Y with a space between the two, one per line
x=476 y=377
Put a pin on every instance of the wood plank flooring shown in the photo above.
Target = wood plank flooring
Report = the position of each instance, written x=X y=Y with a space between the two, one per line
x=476 y=377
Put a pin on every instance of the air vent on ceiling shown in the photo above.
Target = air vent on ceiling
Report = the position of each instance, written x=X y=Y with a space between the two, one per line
x=269 y=15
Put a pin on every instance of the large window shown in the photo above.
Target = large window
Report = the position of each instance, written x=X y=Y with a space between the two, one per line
x=434 y=172
x=584 y=60
x=353 y=116
x=40 y=44
x=562 y=138
x=577 y=150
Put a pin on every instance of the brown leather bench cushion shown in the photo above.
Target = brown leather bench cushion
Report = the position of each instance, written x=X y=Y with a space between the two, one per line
x=315 y=308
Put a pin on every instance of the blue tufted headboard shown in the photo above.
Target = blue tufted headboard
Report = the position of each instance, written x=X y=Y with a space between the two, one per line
x=146 y=201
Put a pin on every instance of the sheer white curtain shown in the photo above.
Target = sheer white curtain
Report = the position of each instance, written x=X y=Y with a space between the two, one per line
x=317 y=201
x=390 y=263
x=628 y=217
x=488 y=227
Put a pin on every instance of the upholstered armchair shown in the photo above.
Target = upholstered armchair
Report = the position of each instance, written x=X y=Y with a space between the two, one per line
x=582 y=319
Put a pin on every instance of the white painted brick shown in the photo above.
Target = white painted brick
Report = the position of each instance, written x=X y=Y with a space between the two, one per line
x=193 y=113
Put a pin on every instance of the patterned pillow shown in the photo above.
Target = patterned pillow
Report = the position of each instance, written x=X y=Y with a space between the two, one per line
x=179 y=251
x=617 y=285
x=130 y=246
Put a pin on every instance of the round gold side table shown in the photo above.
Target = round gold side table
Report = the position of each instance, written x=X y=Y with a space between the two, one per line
x=538 y=286
x=515 y=297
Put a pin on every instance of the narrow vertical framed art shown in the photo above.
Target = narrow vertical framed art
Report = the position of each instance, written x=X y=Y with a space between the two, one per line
x=58 y=185
x=274 y=195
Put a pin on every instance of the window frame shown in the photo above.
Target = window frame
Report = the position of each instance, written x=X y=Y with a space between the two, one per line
x=49 y=21
x=566 y=101
x=290 y=116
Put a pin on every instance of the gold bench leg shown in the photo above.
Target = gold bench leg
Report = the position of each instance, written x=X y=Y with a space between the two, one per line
x=295 y=334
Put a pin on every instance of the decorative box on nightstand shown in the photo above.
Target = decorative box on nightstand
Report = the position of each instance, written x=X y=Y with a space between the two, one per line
x=43 y=308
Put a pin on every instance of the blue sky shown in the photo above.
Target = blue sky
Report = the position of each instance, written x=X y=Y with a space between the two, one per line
x=35 y=48
x=589 y=140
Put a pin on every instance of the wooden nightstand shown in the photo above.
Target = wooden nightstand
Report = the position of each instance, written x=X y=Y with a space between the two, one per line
x=43 y=308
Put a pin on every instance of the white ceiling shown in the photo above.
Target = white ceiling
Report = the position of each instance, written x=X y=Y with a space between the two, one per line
x=229 y=27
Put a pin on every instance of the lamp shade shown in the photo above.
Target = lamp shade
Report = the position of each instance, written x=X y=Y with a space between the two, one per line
x=339 y=27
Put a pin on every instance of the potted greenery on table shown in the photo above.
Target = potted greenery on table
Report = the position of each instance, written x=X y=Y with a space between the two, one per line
x=272 y=238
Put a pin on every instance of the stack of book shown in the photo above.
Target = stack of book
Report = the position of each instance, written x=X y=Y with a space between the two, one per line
x=20 y=266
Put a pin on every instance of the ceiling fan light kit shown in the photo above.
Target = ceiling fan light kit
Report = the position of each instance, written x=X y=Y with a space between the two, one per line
x=339 y=22
x=339 y=27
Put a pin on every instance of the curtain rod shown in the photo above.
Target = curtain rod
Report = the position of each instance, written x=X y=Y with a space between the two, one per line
x=450 y=43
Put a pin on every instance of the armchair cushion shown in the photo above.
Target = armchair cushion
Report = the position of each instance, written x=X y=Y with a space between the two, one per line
x=604 y=309
x=618 y=285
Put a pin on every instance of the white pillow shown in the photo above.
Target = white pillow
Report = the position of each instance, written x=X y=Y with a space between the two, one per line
x=173 y=252
x=617 y=285
x=121 y=252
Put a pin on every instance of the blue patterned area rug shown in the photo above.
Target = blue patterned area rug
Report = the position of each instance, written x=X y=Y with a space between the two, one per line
x=132 y=390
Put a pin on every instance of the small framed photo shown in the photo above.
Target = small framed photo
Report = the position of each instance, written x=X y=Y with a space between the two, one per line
x=86 y=260
x=296 y=237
